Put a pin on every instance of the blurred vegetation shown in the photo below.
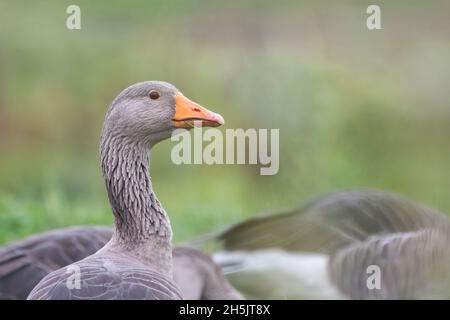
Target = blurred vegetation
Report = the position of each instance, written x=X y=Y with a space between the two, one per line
x=354 y=107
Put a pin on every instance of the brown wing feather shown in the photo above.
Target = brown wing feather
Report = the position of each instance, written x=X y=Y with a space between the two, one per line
x=24 y=263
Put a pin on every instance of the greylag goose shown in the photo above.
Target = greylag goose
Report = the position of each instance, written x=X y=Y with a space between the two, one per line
x=336 y=245
x=24 y=263
x=137 y=262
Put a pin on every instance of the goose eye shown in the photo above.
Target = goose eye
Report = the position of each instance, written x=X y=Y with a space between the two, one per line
x=154 y=95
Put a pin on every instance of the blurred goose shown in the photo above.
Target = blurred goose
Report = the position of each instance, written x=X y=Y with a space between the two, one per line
x=137 y=262
x=24 y=263
x=362 y=244
x=199 y=277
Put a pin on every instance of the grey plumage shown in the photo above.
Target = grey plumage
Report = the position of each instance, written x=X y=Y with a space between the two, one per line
x=107 y=277
x=199 y=277
x=357 y=229
x=24 y=263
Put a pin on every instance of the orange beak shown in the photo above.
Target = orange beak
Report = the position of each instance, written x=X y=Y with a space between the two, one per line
x=189 y=114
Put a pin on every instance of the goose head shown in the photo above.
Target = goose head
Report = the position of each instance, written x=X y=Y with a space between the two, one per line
x=150 y=111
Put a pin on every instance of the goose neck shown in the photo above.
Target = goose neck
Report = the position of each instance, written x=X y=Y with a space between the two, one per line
x=142 y=227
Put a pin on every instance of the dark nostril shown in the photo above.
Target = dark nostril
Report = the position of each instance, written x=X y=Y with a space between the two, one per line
x=196 y=109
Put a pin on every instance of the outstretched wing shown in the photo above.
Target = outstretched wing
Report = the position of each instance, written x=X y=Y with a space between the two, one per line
x=332 y=222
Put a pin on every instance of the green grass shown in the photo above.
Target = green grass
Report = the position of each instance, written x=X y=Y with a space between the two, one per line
x=354 y=108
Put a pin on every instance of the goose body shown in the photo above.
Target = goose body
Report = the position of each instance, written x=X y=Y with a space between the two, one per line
x=199 y=278
x=137 y=262
x=24 y=263
x=349 y=232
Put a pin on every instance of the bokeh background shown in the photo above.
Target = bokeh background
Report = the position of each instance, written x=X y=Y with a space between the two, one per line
x=355 y=108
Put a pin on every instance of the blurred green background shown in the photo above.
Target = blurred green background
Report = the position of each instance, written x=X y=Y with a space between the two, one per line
x=355 y=108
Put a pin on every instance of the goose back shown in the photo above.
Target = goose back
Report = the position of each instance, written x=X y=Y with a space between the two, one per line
x=24 y=263
x=117 y=278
